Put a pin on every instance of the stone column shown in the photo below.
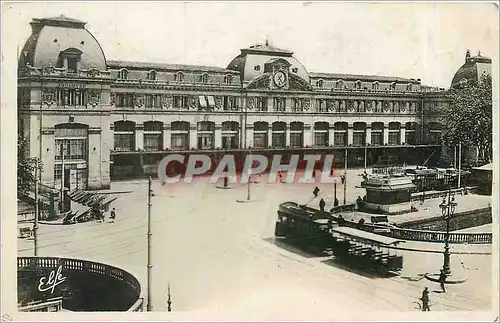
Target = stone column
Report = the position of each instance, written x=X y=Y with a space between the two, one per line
x=331 y=134
x=193 y=137
x=368 y=134
x=402 y=135
x=167 y=136
x=308 y=135
x=385 y=134
x=270 y=136
x=94 y=158
x=48 y=156
x=139 y=136
x=350 y=133
x=249 y=137
x=218 y=136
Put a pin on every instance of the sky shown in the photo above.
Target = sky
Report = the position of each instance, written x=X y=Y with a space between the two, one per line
x=414 y=40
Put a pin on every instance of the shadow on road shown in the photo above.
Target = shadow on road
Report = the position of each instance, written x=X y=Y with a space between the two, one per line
x=353 y=268
x=304 y=251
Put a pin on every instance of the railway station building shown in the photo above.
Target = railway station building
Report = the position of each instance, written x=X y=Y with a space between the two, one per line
x=118 y=119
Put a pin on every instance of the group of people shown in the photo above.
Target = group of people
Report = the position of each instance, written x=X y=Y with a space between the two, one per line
x=100 y=214
x=425 y=292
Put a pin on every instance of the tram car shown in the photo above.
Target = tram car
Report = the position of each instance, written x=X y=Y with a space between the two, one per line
x=367 y=251
x=303 y=225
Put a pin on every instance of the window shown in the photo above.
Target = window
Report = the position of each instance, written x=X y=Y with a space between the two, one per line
x=153 y=135
x=124 y=135
x=359 y=134
x=152 y=75
x=434 y=133
x=73 y=138
x=409 y=87
x=179 y=135
x=296 y=134
x=229 y=103
x=295 y=70
x=260 y=131
x=357 y=85
x=339 y=84
x=340 y=134
x=279 y=104
x=410 y=133
x=321 y=105
x=279 y=136
x=228 y=79
x=180 y=102
x=256 y=68
x=123 y=74
x=377 y=133
x=71 y=97
x=261 y=104
x=393 y=86
x=69 y=59
x=72 y=65
x=319 y=83
x=321 y=134
x=394 y=133
x=179 y=77
x=153 y=101
x=206 y=135
x=230 y=134
x=204 y=78
x=375 y=85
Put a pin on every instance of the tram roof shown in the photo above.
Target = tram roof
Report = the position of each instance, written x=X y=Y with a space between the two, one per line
x=363 y=236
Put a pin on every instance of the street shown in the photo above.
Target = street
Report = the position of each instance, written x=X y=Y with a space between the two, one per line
x=220 y=255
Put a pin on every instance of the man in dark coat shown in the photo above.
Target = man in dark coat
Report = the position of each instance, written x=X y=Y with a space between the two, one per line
x=225 y=181
x=322 y=205
x=442 y=280
x=316 y=191
x=425 y=300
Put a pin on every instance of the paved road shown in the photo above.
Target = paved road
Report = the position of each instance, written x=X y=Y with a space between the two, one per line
x=219 y=254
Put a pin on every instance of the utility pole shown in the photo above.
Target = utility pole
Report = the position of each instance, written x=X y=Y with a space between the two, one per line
x=345 y=175
x=62 y=177
x=249 y=174
x=148 y=306
x=455 y=158
x=366 y=156
x=35 y=227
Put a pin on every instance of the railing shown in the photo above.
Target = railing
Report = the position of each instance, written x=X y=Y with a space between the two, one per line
x=115 y=273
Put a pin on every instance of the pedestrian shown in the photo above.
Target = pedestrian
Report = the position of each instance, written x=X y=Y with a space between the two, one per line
x=425 y=300
x=316 y=191
x=225 y=181
x=112 y=216
x=359 y=203
x=322 y=205
x=442 y=280
x=336 y=202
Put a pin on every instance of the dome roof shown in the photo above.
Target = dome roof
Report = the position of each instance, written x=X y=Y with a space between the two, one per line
x=250 y=63
x=51 y=36
x=472 y=70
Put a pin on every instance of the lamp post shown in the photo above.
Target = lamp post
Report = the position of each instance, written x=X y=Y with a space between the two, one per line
x=150 y=192
x=447 y=211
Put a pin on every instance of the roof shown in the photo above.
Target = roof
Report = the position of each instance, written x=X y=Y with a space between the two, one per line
x=360 y=77
x=164 y=66
x=267 y=49
x=487 y=167
x=363 y=236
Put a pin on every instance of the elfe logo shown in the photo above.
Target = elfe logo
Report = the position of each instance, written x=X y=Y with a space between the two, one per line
x=254 y=165
x=49 y=283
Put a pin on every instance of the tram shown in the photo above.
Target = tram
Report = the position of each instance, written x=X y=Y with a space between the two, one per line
x=303 y=225
x=366 y=250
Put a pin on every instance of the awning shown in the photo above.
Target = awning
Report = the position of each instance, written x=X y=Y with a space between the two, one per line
x=203 y=102
x=211 y=101
x=485 y=167
x=364 y=237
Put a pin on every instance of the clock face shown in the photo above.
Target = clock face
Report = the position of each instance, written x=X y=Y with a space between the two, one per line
x=280 y=79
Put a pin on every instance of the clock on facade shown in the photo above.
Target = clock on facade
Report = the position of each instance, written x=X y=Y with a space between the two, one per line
x=279 y=78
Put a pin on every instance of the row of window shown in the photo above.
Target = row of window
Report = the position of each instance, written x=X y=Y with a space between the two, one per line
x=152 y=75
x=340 y=84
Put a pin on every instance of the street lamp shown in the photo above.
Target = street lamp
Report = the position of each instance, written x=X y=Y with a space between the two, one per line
x=447 y=210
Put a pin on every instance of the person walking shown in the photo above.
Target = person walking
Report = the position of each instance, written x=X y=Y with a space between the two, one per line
x=112 y=216
x=225 y=181
x=425 y=300
x=442 y=280
x=316 y=191
x=322 y=205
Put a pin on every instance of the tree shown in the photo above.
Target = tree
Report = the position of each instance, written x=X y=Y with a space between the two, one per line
x=26 y=168
x=468 y=118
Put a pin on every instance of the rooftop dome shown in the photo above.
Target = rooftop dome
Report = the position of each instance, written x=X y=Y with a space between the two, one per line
x=250 y=63
x=52 y=36
x=472 y=70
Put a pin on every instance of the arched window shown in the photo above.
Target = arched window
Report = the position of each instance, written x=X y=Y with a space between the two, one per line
x=375 y=85
x=153 y=135
x=411 y=133
x=179 y=77
x=278 y=132
x=377 y=133
x=206 y=135
x=179 y=135
x=359 y=134
x=123 y=74
x=392 y=86
x=321 y=133
x=204 y=78
x=296 y=134
x=124 y=135
x=260 y=131
x=340 y=134
x=409 y=87
x=394 y=133
x=230 y=134
x=357 y=85
x=228 y=79
x=339 y=84
x=319 y=83
x=152 y=75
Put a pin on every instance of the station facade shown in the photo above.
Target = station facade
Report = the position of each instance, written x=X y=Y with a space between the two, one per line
x=118 y=119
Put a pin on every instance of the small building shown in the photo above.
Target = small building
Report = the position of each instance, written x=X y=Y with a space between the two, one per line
x=483 y=178
x=388 y=194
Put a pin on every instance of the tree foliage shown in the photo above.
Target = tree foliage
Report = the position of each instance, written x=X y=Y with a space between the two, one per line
x=468 y=117
x=26 y=168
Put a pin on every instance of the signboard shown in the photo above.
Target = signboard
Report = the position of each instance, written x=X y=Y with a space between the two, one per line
x=72 y=85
